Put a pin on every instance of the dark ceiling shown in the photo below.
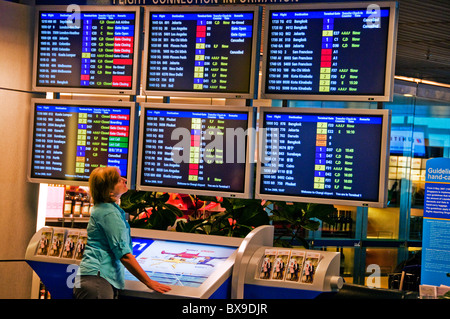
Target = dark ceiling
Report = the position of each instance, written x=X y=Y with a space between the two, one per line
x=423 y=46
x=423 y=40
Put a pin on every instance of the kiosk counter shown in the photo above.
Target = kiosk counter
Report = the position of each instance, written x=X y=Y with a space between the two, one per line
x=283 y=273
x=195 y=266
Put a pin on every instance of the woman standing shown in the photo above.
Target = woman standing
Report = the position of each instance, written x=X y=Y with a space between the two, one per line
x=109 y=248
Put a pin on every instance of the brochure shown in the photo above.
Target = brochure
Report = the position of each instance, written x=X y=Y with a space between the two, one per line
x=57 y=242
x=69 y=245
x=44 y=242
x=281 y=260
x=295 y=265
x=310 y=266
x=81 y=245
x=267 y=264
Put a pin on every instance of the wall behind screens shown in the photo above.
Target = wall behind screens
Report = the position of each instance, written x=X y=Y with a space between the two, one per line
x=205 y=150
x=201 y=51
x=71 y=138
x=324 y=155
x=330 y=51
x=95 y=50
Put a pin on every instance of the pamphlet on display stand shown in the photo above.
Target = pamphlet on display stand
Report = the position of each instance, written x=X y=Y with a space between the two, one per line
x=70 y=244
x=427 y=292
x=281 y=261
x=295 y=265
x=442 y=290
x=310 y=266
x=57 y=242
x=44 y=242
x=81 y=245
x=433 y=292
x=267 y=264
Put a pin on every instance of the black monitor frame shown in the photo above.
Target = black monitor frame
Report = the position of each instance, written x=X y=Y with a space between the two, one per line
x=253 y=65
x=383 y=156
x=133 y=90
x=132 y=138
x=249 y=156
x=385 y=96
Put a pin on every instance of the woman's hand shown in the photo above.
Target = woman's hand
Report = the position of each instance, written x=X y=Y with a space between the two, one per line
x=130 y=262
x=158 y=287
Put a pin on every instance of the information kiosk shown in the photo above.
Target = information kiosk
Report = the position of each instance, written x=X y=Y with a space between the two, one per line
x=195 y=266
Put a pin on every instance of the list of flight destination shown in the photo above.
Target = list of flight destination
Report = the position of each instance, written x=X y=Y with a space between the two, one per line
x=95 y=51
x=325 y=156
x=188 y=149
x=71 y=141
x=334 y=52
x=200 y=52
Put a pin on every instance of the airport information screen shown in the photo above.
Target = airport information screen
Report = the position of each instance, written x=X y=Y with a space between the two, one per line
x=200 y=52
x=94 y=51
x=326 y=52
x=70 y=141
x=322 y=155
x=194 y=149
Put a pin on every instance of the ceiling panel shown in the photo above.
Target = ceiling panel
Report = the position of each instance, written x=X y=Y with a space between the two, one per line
x=423 y=40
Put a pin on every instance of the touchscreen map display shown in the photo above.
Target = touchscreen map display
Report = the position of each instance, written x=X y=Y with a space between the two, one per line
x=178 y=263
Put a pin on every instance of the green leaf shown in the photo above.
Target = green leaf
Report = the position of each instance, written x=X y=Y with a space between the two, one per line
x=173 y=209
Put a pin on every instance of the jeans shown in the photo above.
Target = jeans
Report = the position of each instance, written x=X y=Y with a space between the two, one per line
x=94 y=287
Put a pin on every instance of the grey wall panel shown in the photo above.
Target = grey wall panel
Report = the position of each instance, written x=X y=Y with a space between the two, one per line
x=16 y=40
x=18 y=198
x=15 y=280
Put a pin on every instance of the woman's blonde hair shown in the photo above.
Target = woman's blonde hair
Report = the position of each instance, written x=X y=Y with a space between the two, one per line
x=101 y=184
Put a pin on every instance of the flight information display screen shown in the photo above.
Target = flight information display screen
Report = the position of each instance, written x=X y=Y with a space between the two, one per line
x=331 y=52
x=194 y=150
x=201 y=51
x=91 y=50
x=69 y=140
x=178 y=263
x=339 y=156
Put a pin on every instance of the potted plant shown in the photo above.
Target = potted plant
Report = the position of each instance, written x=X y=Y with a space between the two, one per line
x=294 y=217
x=237 y=219
x=149 y=209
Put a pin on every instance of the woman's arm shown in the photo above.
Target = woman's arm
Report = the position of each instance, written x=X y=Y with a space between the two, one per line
x=136 y=270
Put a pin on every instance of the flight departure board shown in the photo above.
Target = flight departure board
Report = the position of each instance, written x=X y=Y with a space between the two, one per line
x=196 y=150
x=205 y=51
x=70 y=139
x=324 y=155
x=330 y=52
x=88 y=51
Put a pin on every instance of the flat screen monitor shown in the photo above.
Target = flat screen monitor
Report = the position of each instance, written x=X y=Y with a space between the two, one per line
x=91 y=50
x=204 y=150
x=70 y=138
x=331 y=156
x=178 y=263
x=201 y=51
x=330 y=51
